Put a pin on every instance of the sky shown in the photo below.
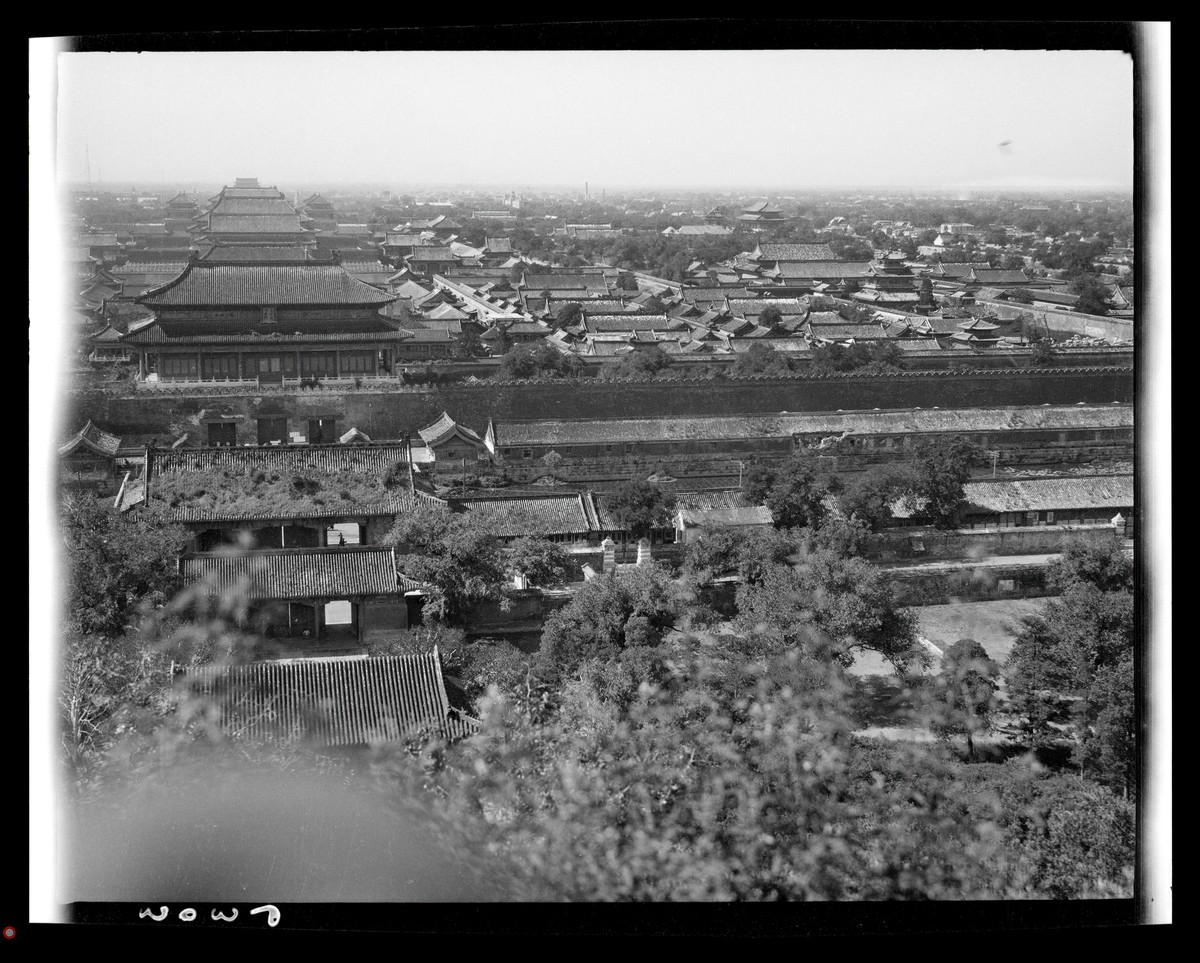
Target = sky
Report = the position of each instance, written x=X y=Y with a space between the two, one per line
x=818 y=119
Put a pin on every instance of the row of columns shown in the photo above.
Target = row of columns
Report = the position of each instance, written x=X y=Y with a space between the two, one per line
x=241 y=374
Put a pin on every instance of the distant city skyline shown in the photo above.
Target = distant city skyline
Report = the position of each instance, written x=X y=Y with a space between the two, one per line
x=765 y=120
x=615 y=191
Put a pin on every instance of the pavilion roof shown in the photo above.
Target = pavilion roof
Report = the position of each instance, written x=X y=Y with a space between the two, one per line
x=443 y=429
x=92 y=439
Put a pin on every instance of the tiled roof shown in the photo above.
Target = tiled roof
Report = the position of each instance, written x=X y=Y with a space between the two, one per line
x=434 y=333
x=234 y=484
x=254 y=224
x=699 y=295
x=228 y=192
x=953 y=269
x=530 y=514
x=498 y=245
x=93 y=439
x=431 y=254
x=755 y=306
x=717 y=517
x=129 y=268
x=990 y=276
x=594 y=305
x=452 y=325
x=337 y=702
x=725 y=498
x=394 y=239
x=257 y=206
x=444 y=312
x=411 y=290
x=207 y=283
x=96 y=240
x=535 y=283
x=762 y=207
x=597 y=323
x=796 y=252
x=107 y=335
x=785 y=345
x=892 y=422
x=300 y=573
x=255 y=252
x=1051 y=494
x=943 y=325
x=704 y=229
x=845 y=332
x=528 y=328
x=833 y=270
x=1051 y=297
x=443 y=428
x=374 y=272
x=157 y=334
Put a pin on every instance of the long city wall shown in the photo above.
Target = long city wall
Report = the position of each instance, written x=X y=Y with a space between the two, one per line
x=1064 y=324
x=390 y=411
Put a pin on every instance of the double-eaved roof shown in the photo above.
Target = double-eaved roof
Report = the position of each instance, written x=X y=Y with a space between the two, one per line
x=335 y=701
x=213 y=283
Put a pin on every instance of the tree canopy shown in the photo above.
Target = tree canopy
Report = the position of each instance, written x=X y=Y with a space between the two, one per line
x=523 y=361
x=630 y=608
x=569 y=314
x=1074 y=665
x=963 y=696
x=118 y=564
x=640 y=507
x=869 y=357
x=795 y=492
x=761 y=359
x=638 y=363
x=942 y=467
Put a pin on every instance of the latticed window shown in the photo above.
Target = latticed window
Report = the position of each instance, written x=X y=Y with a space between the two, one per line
x=358 y=361
x=179 y=365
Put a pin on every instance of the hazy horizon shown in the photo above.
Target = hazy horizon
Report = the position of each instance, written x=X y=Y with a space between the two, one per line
x=484 y=188
x=751 y=120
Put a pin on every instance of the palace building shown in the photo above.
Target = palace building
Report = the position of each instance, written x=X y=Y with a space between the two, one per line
x=249 y=214
x=264 y=321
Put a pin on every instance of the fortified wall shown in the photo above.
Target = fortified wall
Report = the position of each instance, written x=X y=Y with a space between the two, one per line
x=897 y=544
x=389 y=412
x=1064 y=324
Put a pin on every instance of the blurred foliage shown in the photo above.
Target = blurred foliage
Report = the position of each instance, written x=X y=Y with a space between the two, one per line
x=629 y=761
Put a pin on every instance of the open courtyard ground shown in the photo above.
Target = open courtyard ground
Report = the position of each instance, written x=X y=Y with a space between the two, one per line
x=993 y=624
